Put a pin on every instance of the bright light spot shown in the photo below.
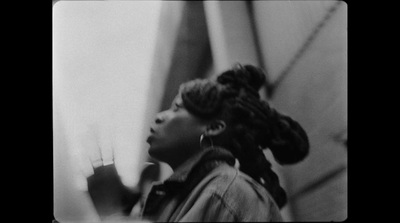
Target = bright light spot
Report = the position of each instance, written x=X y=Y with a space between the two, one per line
x=102 y=57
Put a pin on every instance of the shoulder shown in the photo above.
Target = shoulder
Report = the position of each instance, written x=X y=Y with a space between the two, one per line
x=226 y=179
x=241 y=194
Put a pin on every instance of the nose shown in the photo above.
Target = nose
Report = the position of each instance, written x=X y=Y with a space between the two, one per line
x=159 y=118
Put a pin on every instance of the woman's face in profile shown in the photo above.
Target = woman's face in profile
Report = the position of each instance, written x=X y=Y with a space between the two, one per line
x=175 y=134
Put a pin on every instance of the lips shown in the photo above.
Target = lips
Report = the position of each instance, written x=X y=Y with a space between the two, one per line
x=149 y=139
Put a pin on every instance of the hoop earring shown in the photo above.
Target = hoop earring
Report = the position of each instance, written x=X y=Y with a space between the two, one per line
x=209 y=138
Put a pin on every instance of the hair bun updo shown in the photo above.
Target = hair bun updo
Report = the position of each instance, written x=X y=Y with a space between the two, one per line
x=289 y=144
x=247 y=77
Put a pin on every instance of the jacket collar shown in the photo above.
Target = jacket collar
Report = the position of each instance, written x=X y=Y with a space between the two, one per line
x=186 y=177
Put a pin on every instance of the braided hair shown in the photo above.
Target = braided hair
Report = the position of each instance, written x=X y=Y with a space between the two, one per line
x=252 y=124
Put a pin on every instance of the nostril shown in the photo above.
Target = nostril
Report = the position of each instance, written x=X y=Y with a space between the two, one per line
x=159 y=119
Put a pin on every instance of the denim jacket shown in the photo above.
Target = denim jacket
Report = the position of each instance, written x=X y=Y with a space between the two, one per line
x=208 y=188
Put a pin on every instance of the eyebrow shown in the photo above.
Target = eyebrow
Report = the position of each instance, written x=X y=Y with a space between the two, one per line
x=178 y=104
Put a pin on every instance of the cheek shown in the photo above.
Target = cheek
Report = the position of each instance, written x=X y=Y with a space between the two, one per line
x=180 y=127
x=180 y=133
x=179 y=136
x=168 y=137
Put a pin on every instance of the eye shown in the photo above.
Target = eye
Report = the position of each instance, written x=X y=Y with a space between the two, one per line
x=176 y=106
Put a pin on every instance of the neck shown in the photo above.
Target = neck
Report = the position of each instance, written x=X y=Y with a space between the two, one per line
x=188 y=159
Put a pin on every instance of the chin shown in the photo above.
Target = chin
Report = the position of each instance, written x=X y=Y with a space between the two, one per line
x=150 y=151
x=153 y=152
x=158 y=154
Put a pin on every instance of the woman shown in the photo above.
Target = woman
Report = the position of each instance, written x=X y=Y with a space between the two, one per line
x=213 y=137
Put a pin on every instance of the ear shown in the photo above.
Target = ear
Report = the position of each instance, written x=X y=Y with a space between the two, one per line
x=215 y=128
